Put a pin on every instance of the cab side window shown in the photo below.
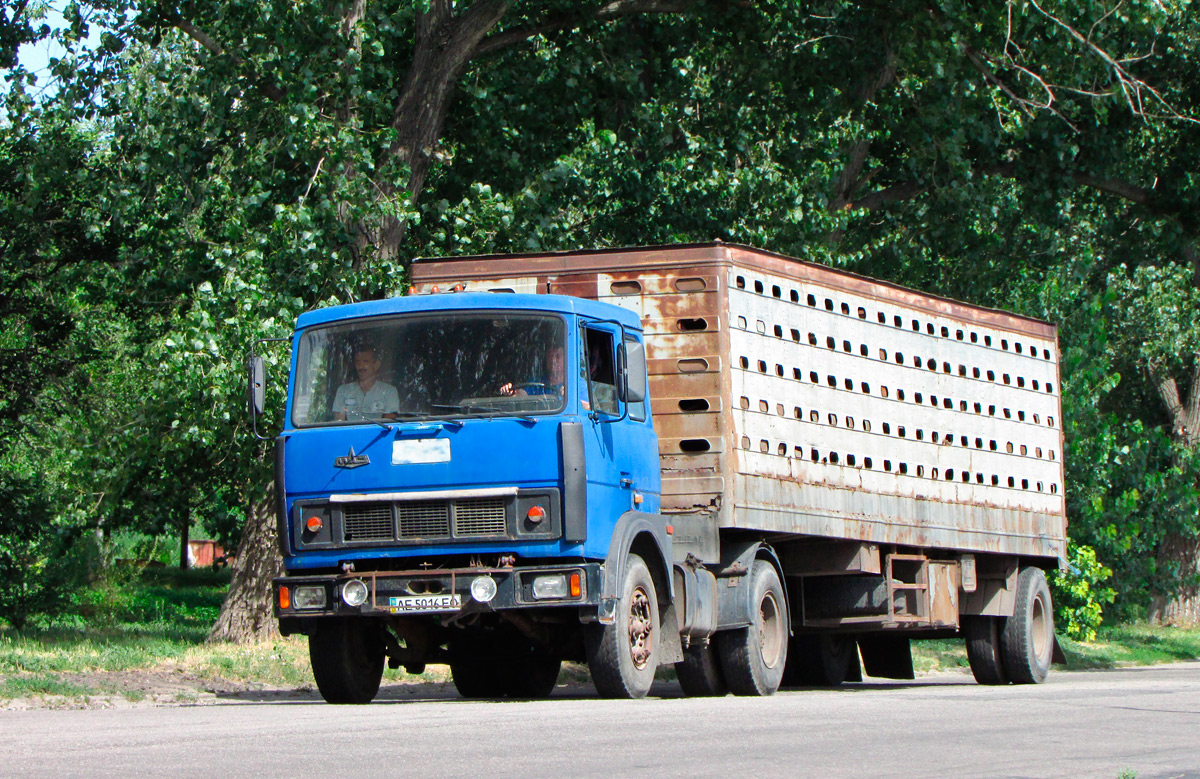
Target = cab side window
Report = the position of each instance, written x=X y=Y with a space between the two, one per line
x=601 y=371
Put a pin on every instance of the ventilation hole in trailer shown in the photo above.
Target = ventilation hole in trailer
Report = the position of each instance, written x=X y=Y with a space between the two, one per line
x=795 y=296
x=764 y=446
x=1046 y=355
x=779 y=370
x=1007 y=414
x=962 y=370
x=846 y=309
x=797 y=413
x=899 y=358
x=963 y=440
x=945 y=367
x=883 y=354
x=1037 y=452
x=916 y=362
x=1037 y=419
x=866 y=388
x=1036 y=386
x=978 y=443
x=933 y=400
x=883 y=390
x=947 y=403
x=1012 y=482
x=1021 y=415
x=828 y=304
x=975 y=372
x=798 y=452
x=1052 y=455
x=1053 y=488
x=949 y=474
x=929 y=327
x=849 y=384
x=1009 y=447
x=962 y=405
x=814 y=416
x=625 y=287
x=932 y=474
x=760 y=326
x=897 y=321
x=866 y=425
x=918 y=398
x=832 y=418
x=862 y=313
x=779 y=409
x=850 y=422
x=903 y=467
x=781 y=450
x=978 y=409
x=812 y=301
x=695 y=445
x=992 y=444
x=1049 y=388
x=991 y=411
x=507 y=290
x=692 y=325
x=831 y=381
x=744 y=402
x=1017 y=345
x=763 y=406
x=867 y=463
x=931 y=364
x=741 y=282
x=850 y=460
x=696 y=404
x=987 y=340
x=846 y=347
x=1020 y=381
x=830 y=343
x=920 y=434
x=1049 y=421
x=1024 y=484
x=1039 y=486
x=916 y=326
x=899 y=394
x=690 y=284
x=758 y=287
x=1004 y=344
x=833 y=457
x=795 y=335
x=887 y=465
x=974 y=338
x=745 y=362
x=882 y=317
x=797 y=374
x=741 y=323
x=745 y=443
x=966 y=478
x=776 y=291
x=814 y=455
x=812 y=376
x=995 y=480
x=863 y=351
x=1007 y=380
x=693 y=365
x=945 y=332
x=812 y=339
x=762 y=366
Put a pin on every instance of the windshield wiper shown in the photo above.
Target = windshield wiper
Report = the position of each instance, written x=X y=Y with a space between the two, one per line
x=366 y=418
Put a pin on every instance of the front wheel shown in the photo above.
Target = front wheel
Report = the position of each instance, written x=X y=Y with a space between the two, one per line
x=753 y=658
x=347 y=659
x=623 y=656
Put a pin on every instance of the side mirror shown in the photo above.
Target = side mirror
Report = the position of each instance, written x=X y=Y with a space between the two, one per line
x=633 y=379
x=258 y=385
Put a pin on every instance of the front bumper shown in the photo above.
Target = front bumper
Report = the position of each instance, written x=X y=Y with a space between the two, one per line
x=439 y=593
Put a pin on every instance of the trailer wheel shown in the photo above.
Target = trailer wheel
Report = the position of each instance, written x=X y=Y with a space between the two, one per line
x=982 y=636
x=347 y=659
x=1027 y=641
x=699 y=672
x=752 y=658
x=820 y=660
x=623 y=656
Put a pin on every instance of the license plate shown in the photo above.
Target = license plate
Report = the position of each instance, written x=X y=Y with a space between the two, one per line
x=424 y=604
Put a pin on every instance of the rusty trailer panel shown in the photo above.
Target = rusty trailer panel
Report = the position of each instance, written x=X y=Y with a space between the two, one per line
x=798 y=399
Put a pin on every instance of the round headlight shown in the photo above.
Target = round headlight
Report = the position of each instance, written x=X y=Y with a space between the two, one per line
x=354 y=592
x=483 y=589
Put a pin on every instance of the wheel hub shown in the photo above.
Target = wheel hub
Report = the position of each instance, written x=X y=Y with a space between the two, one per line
x=641 y=628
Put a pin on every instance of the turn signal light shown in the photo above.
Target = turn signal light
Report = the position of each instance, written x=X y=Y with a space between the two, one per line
x=314 y=524
x=576 y=586
x=285 y=598
x=535 y=514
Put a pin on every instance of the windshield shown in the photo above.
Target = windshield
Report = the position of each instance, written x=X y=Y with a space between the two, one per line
x=428 y=366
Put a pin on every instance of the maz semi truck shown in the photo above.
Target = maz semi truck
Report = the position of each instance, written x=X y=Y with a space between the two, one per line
x=759 y=470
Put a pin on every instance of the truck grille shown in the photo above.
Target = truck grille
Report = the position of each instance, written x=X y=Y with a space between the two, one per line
x=479 y=517
x=424 y=519
x=369 y=522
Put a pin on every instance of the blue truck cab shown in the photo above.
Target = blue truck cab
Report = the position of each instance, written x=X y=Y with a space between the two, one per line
x=472 y=479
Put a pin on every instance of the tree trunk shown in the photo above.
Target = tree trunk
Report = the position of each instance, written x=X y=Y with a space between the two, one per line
x=1182 y=606
x=246 y=614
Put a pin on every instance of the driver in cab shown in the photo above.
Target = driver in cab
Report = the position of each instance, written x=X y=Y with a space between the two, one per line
x=368 y=397
x=552 y=383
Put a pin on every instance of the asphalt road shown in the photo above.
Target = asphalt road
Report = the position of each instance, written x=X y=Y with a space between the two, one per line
x=1142 y=721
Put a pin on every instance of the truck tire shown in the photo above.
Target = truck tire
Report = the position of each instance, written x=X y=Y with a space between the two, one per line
x=753 y=658
x=502 y=666
x=532 y=673
x=982 y=635
x=820 y=660
x=477 y=676
x=347 y=659
x=1027 y=641
x=623 y=656
x=699 y=672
